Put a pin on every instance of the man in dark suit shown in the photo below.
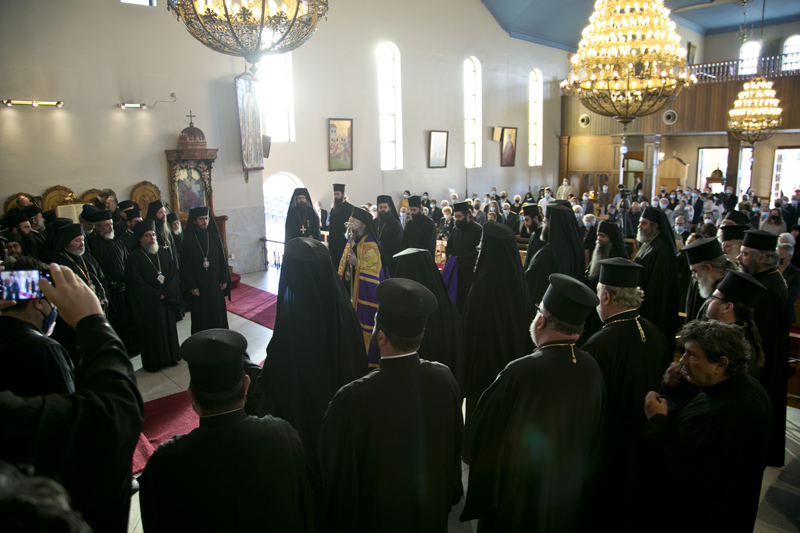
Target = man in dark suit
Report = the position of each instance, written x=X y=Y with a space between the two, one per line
x=391 y=441
x=587 y=207
x=510 y=218
x=235 y=472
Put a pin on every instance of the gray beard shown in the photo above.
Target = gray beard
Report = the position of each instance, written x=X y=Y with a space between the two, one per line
x=601 y=251
x=705 y=287
x=644 y=236
x=41 y=227
x=151 y=249
x=744 y=269
x=75 y=251
x=177 y=231
x=107 y=236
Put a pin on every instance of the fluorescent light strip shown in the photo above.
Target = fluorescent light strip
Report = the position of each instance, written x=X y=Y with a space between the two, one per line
x=32 y=103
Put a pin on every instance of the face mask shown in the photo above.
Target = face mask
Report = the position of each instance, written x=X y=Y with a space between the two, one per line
x=405 y=196
x=672 y=196
x=578 y=216
x=785 y=203
x=663 y=191
x=764 y=215
x=587 y=224
x=605 y=189
x=49 y=321
x=506 y=211
x=585 y=198
x=663 y=206
x=433 y=206
x=448 y=216
x=402 y=215
x=565 y=183
x=679 y=229
x=424 y=197
x=774 y=217
x=491 y=209
x=573 y=204
x=694 y=195
x=728 y=191
x=709 y=221
x=547 y=195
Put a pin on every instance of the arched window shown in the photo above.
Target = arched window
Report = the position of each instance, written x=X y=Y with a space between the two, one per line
x=390 y=107
x=535 y=117
x=277 y=97
x=791 y=53
x=748 y=57
x=472 y=113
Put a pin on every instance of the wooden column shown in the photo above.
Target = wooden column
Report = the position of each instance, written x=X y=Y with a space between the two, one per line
x=652 y=144
x=563 y=158
x=734 y=164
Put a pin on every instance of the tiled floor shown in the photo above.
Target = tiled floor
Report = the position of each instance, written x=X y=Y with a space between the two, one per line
x=778 y=512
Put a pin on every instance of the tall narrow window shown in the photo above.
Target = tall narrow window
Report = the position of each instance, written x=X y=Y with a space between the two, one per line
x=472 y=113
x=748 y=57
x=535 y=117
x=390 y=107
x=277 y=97
x=791 y=53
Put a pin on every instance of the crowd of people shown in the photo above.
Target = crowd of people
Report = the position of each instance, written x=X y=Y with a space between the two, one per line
x=565 y=359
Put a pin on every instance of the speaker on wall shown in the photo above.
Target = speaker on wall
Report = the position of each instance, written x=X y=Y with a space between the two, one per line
x=584 y=120
x=497 y=134
x=669 y=117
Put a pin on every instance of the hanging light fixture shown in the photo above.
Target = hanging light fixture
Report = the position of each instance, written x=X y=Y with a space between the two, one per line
x=629 y=63
x=755 y=115
x=250 y=28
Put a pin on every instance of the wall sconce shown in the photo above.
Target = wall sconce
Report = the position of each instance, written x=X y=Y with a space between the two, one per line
x=33 y=103
x=143 y=106
x=661 y=156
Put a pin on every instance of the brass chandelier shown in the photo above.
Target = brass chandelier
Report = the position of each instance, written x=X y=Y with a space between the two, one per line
x=629 y=63
x=755 y=115
x=250 y=28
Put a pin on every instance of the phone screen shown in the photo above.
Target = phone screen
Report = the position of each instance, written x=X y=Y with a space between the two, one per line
x=21 y=284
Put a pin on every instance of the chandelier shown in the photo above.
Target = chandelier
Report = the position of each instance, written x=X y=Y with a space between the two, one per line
x=755 y=115
x=628 y=63
x=250 y=28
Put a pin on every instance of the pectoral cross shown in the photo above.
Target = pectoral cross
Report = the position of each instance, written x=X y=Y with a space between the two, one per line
x=303 y=229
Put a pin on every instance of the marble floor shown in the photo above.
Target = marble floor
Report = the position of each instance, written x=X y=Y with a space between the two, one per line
x=779 y=510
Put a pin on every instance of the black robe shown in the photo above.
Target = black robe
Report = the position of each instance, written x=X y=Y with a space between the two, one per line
x=420 y=233
x=659 y=281
x=390 y=237
x=631 y=368
x=85 y=440
x=336 y=238
x=390 y=449
x=696 y=305
x=154 y=317
x=444 y=335
x=313 y=309
x=111 y=256
x=252 y=478
x=301 y=221
x=128 y=240
x=711 y=454
x=532 y=443
x=493 y=339
x=771 y=315
x=32 y=364
x=535 y=243
x=208 y=309
x=463 y=243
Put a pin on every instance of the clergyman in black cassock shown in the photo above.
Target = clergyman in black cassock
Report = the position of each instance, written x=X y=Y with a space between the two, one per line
x=391 y=441
x=111 y=255
x=420 y=231
x=463 y=244
x=341 y=211
x=444 y=335
x=562 y=252
x=152 y=282
x=204 y=271
x=630 y=352
x=235 y=472
x=156 y=211
x=707 y=453
x=388 y=229
x=297 y=385
x=531 y=445
x=497 y=313
x=771 y=315
x=708 y=265
x=301 y=220
x=659 y=279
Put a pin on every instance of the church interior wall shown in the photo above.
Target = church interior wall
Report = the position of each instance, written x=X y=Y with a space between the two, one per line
x=95 y=54
x=725 y=46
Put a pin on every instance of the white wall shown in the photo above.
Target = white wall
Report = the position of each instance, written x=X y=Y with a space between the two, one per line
x=93 y=54
x=725 y=46
x=690 y=36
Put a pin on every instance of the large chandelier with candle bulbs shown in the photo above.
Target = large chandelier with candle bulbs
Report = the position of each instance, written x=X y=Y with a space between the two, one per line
x=250 y=28
x=629 y=63
x=755 y=115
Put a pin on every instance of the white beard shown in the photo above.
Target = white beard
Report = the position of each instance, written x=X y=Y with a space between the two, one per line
x=705 y=287
x=108 y=236
x=177 y=231
x=643 y=237
x=151 y=249
x=75 y=251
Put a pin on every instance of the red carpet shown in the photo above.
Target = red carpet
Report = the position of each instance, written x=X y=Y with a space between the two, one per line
x=254 y=304
x=163 y=419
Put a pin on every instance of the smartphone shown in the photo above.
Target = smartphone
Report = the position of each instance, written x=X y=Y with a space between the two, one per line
x=22 y=284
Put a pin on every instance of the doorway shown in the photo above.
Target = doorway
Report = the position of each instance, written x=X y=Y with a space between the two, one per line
x=277 y=190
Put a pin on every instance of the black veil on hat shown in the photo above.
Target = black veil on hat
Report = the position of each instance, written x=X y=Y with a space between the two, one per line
x=143 y=227
x=153 y=207
x=443 y=340
x=414 y=201
x=315 y=315
x=615 y=234
x=87 y=212
x=565 y=241
x=65 y=234
x=172 y=217
x=47 y=252
x=386 y=199
x=665 y=232
x=303 y=192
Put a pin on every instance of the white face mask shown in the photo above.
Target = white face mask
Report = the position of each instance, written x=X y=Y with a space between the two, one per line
x=447 y=216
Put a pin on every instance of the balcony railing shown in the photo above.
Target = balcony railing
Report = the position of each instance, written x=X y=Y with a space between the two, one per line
x=743 y=69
